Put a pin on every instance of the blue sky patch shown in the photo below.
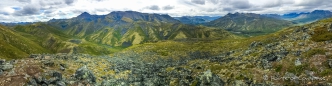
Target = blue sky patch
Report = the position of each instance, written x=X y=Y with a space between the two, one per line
x=16 y=8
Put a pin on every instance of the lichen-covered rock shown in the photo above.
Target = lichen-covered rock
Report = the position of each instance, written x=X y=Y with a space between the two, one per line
x=255 y=44
x=6 y=66
x=239 y=83
x=330 y=63
x=84 y=73
x=274 y=56
x=266 y=64
x=61 y=83
x=2 y=61
x=297 y=53
x=209 y=79
x=292 y=77
x=298 y=62
x=32 y=82
x=1 y=72
x=33 y=56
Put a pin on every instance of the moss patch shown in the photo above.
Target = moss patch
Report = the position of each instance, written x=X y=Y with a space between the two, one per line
x=321 y=34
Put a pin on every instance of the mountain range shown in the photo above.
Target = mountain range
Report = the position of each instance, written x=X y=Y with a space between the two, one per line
x=130 y=48
x=249 y=23
x=304 y=17
x=120 y=29
x=99 y=34
x=129 y=28
x=194 y=20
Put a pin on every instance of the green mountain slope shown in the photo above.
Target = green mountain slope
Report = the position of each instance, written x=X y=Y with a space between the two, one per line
x=149 y=32
x=99 y=35
x=304 y=18
x=57 y=41
x=47 y=37
x=85 y=24
x=195 y=20
x=126 y=28
x=13 y=45
x=249 y=23
x=313 y=16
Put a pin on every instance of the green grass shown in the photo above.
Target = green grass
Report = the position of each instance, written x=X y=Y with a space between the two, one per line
x=321 y=34
x=98 y=49
x=213 y=46
x=45 y=35
x=312 y=52
x=13 y=45
x=250 y=24
x=38 y=38
x=298 y=69
x=326 y=72
x=278 y=68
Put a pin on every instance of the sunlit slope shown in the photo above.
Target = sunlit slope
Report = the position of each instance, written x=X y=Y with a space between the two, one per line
x=295 y=50
x=57 y=41
x=13 y=45
x=249 y=23
x=126 y=28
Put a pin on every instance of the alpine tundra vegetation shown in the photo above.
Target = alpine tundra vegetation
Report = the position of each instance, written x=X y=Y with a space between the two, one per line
x=219 y=43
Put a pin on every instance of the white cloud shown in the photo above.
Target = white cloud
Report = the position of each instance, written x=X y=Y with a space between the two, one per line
x=43 y=10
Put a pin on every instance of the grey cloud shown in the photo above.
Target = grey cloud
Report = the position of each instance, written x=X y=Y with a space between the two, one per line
x=101 y=10
x=50 y=15
x=28 y=10
x=27 y=1
x=211 y=10
x=45 y=18
x=69 y=2
x=255 y=9
x=47 y=8
x=49 y=11
x=50 y=3
x=314 y=2
x=310 y=5
x=154 y=7
x=168 y=7
x=241 y=4
x=78 y=11
x=4 y=13
x=214 y=1
x=61 y=13
x=95 y=11
x=279 y=3
x=228 y=9
x=201 y=2
x=273 y=4
x=4 y=19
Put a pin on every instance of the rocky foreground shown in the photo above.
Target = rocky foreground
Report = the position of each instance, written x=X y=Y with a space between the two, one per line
x=126 y=70
x=58 y=70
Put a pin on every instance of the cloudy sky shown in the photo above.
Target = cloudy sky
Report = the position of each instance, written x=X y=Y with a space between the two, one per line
x=44 y=10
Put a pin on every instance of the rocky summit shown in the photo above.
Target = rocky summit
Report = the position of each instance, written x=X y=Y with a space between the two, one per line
x=128 y=48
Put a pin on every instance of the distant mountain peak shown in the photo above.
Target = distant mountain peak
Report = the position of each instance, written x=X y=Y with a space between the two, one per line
x=125 y=12
x=194 y=20
x=242 y=14
x=321 y=11
x=249 y=23
x=134 y=15
x=84 y=14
